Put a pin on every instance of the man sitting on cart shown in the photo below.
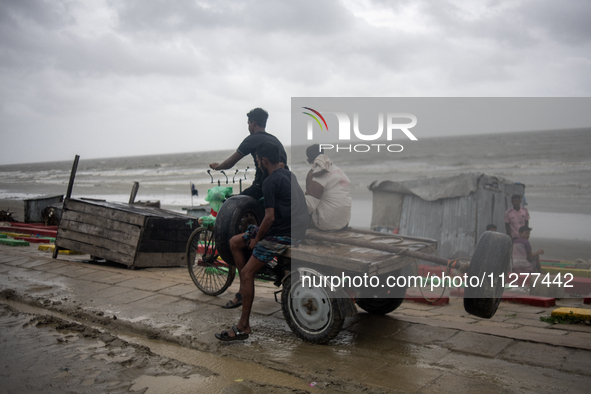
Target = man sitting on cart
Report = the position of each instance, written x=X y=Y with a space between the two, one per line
x=257 y=121
x=327 y=192
x=285 y=222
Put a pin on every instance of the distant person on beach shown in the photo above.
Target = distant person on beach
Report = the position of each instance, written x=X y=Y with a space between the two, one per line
x=516 y=217
x=491 y=227
x=285 y=222
x=257 y=121
x=524 y=260
x=327 y=192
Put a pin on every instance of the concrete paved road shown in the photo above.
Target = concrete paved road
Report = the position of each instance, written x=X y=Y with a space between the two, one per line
x=417 y=348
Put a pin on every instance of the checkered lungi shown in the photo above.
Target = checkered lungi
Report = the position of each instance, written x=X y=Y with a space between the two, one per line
x=269 y=247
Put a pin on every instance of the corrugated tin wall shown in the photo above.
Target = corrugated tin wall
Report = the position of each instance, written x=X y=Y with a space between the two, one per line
x=456 y=223
x=450 y=221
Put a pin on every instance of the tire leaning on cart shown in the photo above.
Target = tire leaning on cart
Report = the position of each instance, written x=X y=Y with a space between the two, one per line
x=491 y=260
x=235 y=214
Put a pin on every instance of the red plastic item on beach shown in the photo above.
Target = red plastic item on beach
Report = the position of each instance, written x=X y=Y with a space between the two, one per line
x=30 y=230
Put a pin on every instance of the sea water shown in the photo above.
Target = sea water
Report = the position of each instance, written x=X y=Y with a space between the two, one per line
x=555 y=167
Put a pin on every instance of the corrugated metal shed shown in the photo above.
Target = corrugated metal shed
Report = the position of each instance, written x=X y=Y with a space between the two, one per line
x=453 y=210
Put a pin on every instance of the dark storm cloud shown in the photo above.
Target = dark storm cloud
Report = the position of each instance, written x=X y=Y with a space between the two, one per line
x=35 y=36
x=49 y=14
x=134 y=68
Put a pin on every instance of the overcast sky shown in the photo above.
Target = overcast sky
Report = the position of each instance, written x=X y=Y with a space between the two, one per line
x=131 y=77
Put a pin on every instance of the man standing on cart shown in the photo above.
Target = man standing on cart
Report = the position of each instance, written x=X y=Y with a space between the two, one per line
x=285 y=222
x=257 y=121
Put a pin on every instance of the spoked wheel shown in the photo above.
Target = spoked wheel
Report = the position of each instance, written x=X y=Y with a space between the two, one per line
x=209 y=273
x=309 y=311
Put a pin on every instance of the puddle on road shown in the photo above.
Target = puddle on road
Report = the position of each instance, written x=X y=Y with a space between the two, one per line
x=228 y=370
x=176 y=384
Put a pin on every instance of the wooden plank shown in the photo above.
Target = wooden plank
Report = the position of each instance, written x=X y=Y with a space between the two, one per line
x=95 y=240
x=134 y=189
x=387 y=267
x=406 y=239
x=95 y=251
x=102 y=232
x=104 y=212
x=327 y=260
x=135 y=209
x=360 y=259
x=102 y=222
x=160 y=260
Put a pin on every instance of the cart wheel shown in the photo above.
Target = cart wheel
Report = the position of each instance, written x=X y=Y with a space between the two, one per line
x=492 y=256
x=381 y=306
x=309 y=311
x=233 y=218
x=210 y=274
x=382 y=302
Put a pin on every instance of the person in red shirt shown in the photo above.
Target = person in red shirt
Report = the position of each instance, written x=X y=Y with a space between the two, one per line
x=516 y=217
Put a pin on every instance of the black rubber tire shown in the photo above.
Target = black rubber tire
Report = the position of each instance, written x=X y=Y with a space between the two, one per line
x=380 y=303
x=236 y=213
x=379 y=306
x=492 y=256
x=209 y=274
x=327 y=313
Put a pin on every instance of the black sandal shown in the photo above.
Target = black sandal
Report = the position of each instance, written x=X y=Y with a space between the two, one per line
x=230 y=304
x=238 y=335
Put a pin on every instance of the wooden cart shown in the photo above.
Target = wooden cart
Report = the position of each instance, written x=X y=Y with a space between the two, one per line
x=315 y=312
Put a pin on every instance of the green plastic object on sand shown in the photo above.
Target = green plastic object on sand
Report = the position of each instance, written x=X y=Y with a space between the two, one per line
x=217 y=195
x=13 y=242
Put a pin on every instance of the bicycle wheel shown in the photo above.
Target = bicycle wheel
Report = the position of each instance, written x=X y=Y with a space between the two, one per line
x=209 y=273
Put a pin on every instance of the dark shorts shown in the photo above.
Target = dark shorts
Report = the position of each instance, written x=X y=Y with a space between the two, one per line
x=268 y=248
